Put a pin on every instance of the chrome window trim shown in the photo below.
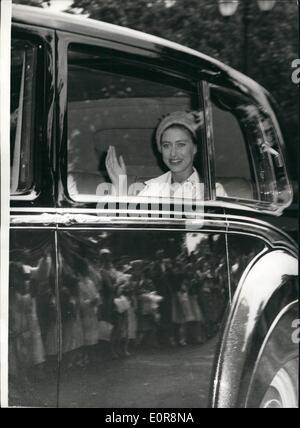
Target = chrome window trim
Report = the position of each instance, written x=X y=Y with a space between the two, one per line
x=209 y=141
x=249 y=204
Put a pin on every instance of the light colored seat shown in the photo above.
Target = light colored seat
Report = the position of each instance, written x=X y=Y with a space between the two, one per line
x=237 y=187
x=85 y=183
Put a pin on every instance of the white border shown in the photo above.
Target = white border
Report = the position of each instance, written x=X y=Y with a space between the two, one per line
x=5 y=43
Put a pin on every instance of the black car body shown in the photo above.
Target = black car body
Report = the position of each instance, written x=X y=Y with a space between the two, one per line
x=78 y=85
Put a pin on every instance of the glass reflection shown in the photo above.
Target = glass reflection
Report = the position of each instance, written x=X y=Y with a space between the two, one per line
x=242 y=250
x=259 y=173
x=126 y=297
x=33 y=339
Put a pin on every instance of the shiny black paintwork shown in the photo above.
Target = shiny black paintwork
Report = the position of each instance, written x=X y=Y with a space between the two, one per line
x=33 y=307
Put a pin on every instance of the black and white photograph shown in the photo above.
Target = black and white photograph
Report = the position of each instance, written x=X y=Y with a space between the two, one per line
x=149 y=206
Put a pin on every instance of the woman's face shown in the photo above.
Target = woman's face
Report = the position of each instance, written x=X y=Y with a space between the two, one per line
x=178 y=151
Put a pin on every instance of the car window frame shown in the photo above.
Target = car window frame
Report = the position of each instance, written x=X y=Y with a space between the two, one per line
x=231 y=202
x=40 y=37
x=133 y=56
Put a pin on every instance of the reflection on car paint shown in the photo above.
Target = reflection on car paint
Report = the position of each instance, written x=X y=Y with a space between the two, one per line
x=120 y=293
x=33 y=322
x=134 y=292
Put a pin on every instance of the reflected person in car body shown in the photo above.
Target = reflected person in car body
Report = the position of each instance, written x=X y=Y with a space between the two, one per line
x=177 y=137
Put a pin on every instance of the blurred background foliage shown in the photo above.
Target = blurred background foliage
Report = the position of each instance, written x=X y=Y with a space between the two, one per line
x=272 y=41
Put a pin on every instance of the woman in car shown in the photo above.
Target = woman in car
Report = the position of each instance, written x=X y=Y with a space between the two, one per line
x=177 y=137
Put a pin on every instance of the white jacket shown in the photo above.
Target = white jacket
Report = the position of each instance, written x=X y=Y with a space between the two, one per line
x=192 y=188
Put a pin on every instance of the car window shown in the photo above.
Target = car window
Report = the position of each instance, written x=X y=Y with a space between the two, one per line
x=119 y=104
x=248 y=159
x=232 y=162
x=23 y=63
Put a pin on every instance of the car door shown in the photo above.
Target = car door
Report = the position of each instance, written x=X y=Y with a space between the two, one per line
x=143 y=292
x=33 y=304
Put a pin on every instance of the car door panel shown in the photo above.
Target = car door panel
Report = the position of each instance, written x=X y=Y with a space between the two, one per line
x=185 y=268
x=34 y=319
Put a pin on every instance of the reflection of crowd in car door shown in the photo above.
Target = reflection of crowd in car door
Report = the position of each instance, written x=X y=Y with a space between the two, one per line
x=111 y=308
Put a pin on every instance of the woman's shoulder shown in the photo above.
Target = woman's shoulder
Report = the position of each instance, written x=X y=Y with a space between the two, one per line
x=156 y=186
x=164 y=178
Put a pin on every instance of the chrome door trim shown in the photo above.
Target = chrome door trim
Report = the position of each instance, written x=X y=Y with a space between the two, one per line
x=93 y=217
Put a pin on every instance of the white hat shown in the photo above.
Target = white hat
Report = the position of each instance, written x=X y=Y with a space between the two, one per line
x=193 y=121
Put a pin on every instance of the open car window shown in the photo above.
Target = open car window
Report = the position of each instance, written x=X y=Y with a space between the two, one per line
x=120 y=105
x=248 y=158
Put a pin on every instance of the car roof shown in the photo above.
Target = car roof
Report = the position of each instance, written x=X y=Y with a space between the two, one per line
x=90 y=27
x=80 y=24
